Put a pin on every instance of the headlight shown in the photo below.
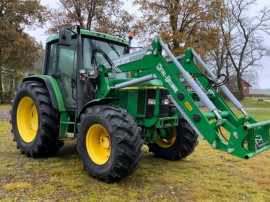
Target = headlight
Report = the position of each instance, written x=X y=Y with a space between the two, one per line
x=165 y=102
x=82 y=71
x=151 y=101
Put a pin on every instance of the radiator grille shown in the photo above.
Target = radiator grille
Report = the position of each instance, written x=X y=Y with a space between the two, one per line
x=141 y=102
x=164 y=109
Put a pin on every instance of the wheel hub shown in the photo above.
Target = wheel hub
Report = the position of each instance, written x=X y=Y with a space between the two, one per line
x=168 y=142
x=105 y=142
x=98 y=144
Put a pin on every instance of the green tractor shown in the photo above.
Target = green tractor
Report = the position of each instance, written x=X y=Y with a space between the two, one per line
x=113 y=101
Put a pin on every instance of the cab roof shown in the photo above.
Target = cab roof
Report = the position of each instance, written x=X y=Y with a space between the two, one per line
x=91 y=34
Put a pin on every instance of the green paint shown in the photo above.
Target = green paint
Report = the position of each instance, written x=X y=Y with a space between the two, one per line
x=256 y=125
x=167 y=122
x=56 y=89
x=211 y=115
x=64 y=124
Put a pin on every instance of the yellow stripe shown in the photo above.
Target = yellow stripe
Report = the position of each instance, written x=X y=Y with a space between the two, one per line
x=188 y=106
x=143 y=87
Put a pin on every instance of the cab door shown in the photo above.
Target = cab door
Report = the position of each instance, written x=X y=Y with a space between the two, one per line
x=61 y=65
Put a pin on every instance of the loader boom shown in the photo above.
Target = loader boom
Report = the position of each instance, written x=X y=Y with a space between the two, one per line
x=245 y=137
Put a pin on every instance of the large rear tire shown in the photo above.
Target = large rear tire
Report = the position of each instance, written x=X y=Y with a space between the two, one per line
x=35 y=124
x=180 y=145
x=109 y=143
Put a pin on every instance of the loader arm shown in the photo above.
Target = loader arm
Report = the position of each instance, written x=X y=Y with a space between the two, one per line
x=245 y=137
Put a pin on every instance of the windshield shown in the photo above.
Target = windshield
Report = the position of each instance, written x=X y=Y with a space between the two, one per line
x=111 y=49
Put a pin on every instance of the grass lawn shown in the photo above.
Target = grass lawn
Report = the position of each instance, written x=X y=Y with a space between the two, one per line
x=253 y=102
x=5 y=106
x=205 y=175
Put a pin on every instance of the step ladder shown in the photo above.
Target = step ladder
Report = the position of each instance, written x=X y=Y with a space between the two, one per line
x=65 y=123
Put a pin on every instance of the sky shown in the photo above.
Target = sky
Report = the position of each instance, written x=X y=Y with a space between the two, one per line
x=263 y=73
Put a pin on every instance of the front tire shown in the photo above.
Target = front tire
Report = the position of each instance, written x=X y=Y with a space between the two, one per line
x=180 y=145
x=35 y=124
x=109 y=143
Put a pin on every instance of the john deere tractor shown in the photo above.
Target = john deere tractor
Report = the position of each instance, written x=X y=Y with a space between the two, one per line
x=113 y=101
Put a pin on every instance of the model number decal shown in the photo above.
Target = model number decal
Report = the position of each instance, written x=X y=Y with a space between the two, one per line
x=167 y=78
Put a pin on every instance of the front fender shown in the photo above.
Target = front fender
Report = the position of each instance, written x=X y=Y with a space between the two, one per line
x=101 y=101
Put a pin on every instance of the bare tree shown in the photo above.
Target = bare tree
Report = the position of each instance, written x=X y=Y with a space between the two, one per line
x=251 y=77
x=243 y=37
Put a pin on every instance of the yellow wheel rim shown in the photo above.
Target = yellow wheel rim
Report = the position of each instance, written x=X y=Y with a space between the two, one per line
x=166 y=143
x=98 y=144
x=27 y=119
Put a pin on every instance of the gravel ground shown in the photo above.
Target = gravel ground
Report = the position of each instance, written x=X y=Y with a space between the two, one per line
x=4 y=115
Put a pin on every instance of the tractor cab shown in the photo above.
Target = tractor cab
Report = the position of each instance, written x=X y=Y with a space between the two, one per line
x=61 y=60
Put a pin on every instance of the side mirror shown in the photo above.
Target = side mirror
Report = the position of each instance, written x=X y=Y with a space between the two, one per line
x=64 y=37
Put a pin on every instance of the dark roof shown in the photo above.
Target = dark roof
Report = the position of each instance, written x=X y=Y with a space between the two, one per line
x=234 y=77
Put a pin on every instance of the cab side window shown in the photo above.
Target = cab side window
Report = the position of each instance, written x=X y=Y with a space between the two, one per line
x=66 y=71
x=51 y=67
x=67 y=60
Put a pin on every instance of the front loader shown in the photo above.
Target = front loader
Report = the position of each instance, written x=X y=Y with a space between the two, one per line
x=113 y=101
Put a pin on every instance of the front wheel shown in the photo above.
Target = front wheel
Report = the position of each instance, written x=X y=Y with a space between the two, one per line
x=182 y=142
x=109 y=142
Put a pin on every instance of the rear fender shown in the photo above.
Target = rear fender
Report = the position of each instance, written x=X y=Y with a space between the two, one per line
x=53 y=89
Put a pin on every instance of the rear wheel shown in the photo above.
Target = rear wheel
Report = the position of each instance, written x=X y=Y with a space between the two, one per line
x=109 y=142
x=35 y=124
x=182 y=142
